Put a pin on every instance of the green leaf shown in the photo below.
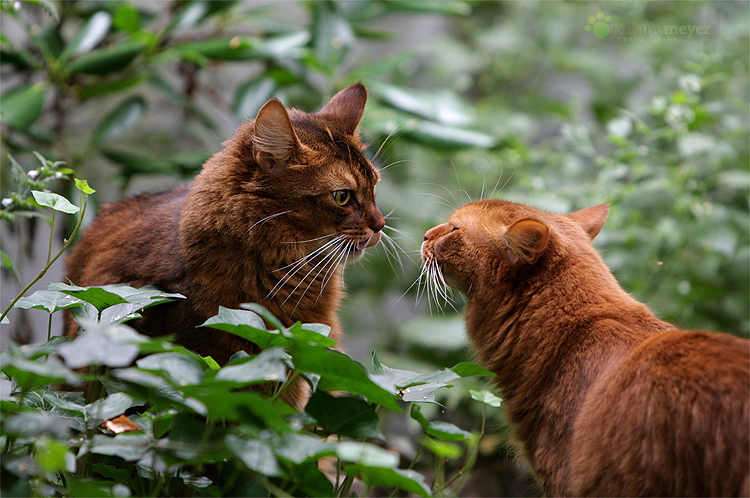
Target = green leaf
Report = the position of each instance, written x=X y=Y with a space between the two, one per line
x=339 y=372
x=407 y=480
x=22 y=106
x=486 y=397
x=83 y=186
x=29 y=374
x=269 y=365
x=127 y=18
x=54 y=456
x=344 y=416
x=120 y=120
x=36 y=423
x=99 y=297
x=300 y=448
x=245 y=324
x=128 y=446
x=442 y=7
x=92 y=488
x=110 y=86
x=251 y=96
x=97 y=347
x=442 y=107
x=236 y=48
x=107 y=60
x=136 y=164
x=439 y=429
x=255 y=454
x=263 y=312
x=366 y=454
x=179 y=368
x=467 y=369
x=51 y=301
x=440 y=136
x=54 y=201
x=89 y=36
x=442 y=449
x=106 y=408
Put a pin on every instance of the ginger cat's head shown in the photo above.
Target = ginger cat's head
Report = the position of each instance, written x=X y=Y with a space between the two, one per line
x=486 y=244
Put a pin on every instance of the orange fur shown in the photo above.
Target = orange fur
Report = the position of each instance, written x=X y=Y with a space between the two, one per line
x=607 y=399
x=259 y=205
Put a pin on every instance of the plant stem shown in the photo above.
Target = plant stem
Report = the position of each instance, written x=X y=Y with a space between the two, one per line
x=50 y=263
x=51 y=233
x=287 y=383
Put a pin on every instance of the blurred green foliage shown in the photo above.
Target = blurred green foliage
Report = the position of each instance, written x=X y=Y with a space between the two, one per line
x=497 y=99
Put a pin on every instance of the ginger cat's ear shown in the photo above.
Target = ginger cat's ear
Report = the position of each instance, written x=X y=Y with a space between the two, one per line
x=525 y=241
x=274 y=139
x=591 y=219
x=347 y=107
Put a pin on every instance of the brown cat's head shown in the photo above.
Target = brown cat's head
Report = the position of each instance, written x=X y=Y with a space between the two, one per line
x=487 y=243
x=289 y=183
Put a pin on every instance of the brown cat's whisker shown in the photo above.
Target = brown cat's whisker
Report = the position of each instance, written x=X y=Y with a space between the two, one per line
x=394 y=130
x=329 y=262
x=261 y=222
x=298 y=265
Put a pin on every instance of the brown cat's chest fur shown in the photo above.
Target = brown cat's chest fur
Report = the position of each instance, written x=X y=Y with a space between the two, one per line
x=270 y=219
x=607 y=399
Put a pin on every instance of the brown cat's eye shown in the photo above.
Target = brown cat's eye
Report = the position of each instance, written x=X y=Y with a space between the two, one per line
x=342 y=197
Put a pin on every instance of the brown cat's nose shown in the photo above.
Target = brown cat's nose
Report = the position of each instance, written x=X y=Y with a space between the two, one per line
x=377 y=222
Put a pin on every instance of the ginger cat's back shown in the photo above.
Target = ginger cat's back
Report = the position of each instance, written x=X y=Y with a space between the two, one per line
x=607 y=399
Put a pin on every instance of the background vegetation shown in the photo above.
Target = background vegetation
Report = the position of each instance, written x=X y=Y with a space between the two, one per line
x=467 y=100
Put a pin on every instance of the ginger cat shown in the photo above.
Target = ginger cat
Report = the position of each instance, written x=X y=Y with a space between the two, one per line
x=607 y=399
x=271 y=219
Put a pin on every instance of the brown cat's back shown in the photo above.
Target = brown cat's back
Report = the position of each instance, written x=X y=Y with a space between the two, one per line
x=672 y=410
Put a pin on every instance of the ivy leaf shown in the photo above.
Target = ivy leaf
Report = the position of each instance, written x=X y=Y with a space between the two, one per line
x=486 y=397
x=345 y=416
x=269 y=365
x=128 y=446
x=439 y=429
x=256 y=454
x=407 y=480
x=366 y=454
x=339 y=372
x=246 y=324
x=300 y=448
x=179 y=368
x=54 y=201
x=51 y=301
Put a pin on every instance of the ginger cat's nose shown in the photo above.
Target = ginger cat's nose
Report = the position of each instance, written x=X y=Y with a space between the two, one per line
x=437 y=231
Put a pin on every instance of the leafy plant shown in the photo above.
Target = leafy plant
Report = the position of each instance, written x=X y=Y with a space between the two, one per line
x=193 y=426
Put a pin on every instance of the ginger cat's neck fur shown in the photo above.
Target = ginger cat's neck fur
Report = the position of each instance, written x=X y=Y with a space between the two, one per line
x=585 y=370
x=270 y=219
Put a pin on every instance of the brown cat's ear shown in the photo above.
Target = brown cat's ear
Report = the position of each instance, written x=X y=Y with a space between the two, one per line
x=274 y=140
x=347 y=107
x=525 y=241
x=591 y=219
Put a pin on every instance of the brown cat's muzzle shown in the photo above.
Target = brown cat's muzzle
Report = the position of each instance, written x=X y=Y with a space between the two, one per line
x=370 y=241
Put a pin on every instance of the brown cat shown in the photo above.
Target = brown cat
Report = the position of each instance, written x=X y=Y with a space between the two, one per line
x=607 y=399
x=270 y=219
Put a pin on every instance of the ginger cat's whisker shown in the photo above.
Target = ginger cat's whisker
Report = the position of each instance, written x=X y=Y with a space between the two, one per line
x=267 y=218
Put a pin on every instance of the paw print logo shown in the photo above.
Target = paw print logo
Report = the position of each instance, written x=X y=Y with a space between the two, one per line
x=598 y=25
